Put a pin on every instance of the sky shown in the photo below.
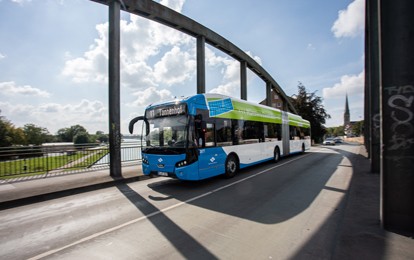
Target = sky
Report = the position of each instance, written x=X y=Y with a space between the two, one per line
x=54 y=57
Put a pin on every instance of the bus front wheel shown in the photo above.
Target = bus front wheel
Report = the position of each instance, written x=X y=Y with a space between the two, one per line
x=231 y=166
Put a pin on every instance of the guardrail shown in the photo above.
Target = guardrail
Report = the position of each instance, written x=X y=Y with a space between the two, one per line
x=47 y=159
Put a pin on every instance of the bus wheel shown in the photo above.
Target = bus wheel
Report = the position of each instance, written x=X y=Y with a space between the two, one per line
x=231 y=166
x=276 y=156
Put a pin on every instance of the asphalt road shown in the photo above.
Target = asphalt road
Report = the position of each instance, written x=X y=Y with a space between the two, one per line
x=291 y=209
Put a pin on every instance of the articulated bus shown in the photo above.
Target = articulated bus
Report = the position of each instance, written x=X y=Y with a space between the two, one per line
x=205 y=135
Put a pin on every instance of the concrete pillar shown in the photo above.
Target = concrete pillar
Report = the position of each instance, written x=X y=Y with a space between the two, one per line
x=114 y=89
x=268 y=94
x=243 y=80
x=367 y=83
x=201 y=65
x=396 y=29
x=373 y=93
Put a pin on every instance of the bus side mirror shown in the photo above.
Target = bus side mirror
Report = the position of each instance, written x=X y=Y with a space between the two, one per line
x=136 y=119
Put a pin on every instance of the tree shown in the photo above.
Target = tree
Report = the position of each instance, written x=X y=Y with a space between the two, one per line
x=19 y=137
x=68 y=134
x=35 y=135
x=358 y=128
x=6 y=132
x=310 y=107
x=81 y=138
x=335 y=131
x=101 y=137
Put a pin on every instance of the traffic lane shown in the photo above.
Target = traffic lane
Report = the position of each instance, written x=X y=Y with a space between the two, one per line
x=54 y=223
x=296 y=180
x=200 y=229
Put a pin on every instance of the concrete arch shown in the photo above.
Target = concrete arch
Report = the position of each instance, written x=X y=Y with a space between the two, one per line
x=154 y=11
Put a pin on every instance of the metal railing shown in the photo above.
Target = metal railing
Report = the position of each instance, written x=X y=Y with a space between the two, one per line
x=60 y=159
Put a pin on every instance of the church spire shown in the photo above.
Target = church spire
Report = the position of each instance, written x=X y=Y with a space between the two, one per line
x=346 y=114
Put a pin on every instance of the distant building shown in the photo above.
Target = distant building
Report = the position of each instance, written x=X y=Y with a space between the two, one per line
x=275 y=100
x=347 y=116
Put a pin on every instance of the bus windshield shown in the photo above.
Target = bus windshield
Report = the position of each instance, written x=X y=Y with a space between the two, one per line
x=168 y=133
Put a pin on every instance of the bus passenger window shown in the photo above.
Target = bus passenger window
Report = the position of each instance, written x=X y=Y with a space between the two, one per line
x=209 y=135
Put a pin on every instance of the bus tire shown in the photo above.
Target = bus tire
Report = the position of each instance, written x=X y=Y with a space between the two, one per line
x=232 y=165
x=276 y=155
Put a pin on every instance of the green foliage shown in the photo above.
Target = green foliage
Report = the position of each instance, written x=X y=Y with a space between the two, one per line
x=358 y=128
x=81 y=138
x=35 y=135
x=101 y=137
x=6 y=132
x=310 y=107
x=335 y=131
x=40 y=165
x=68 y=134
x=29 y=134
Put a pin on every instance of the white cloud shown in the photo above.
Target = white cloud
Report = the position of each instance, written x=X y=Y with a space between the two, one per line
x=351 y=21
x=11 y=89
x=230 y=70
x=256 y=58
x=93 y=66
x=175 y=67
x=351 y=84
x=229 y=89
x=2 y=56
x=150 y=95
x=141 y=39
x=21 y=2
x=176 y=5
x=310 y=47
x=90 y=114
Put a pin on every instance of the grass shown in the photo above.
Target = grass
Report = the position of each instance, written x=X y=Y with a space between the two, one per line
x=41 y=165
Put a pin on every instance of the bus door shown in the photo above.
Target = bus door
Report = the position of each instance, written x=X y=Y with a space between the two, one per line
x=285 y=133
x=210 y=159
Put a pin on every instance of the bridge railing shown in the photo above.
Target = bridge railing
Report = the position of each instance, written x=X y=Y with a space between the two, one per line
x=61 y=159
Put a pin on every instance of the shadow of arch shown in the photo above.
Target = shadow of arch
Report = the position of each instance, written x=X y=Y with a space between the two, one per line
x=181 y=240
x=358 y=234
x=271 y=197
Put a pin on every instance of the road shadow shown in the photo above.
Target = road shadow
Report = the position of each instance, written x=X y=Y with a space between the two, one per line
x=288 y=192
x=180 y=239
x=355 y=223
x=358 y=230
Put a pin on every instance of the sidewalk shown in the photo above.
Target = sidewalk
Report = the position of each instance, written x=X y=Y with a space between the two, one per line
x=15 y=193
x=360 y=235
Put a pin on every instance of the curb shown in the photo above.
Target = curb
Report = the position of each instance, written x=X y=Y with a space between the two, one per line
x=68 y=192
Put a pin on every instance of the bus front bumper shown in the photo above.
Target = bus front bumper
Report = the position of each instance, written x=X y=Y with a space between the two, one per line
x=189 y=172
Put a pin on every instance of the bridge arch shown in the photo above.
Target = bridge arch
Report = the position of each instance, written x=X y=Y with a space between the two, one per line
x=156 y=12
x=166 y=16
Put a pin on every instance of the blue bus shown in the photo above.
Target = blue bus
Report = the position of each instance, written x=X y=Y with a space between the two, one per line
x=206 y=135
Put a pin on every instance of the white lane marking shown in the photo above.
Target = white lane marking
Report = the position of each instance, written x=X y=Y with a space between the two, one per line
x=50 y=252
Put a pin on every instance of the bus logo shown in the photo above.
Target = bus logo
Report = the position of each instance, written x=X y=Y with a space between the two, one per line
x=160 y=160
x=212 y=159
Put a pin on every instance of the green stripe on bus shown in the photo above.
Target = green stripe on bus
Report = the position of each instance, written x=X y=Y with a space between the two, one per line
x=295 y=120
x=244 y=111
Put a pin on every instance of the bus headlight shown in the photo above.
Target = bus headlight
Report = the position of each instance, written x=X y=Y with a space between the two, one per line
x=181 y=163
